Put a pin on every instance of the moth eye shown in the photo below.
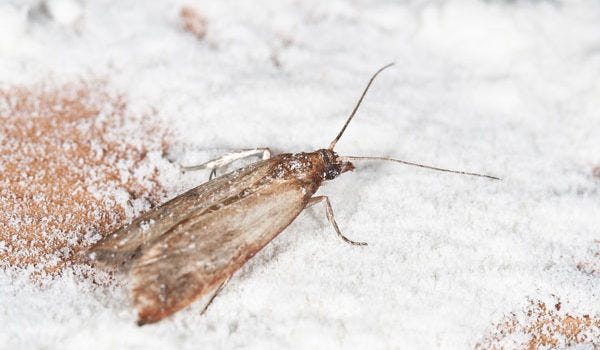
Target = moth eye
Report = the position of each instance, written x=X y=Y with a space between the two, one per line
x=332 y=172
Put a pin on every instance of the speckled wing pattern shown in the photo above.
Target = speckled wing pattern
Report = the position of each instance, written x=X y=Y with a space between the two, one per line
x=121 y=246
x=186 y=247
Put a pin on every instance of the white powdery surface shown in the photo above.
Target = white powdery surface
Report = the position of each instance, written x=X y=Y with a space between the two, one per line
x=507 y=88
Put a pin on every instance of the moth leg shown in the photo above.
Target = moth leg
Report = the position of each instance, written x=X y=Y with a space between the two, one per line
x=212 y=298
x=329 y=211
x=229 y=158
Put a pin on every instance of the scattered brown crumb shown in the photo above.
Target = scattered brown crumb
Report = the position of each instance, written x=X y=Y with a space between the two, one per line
x=74 y=162
x=591 y=265
x=538 y=326
x=275 y=59
x=193 y=22
x=283 y=42
x=596 y=171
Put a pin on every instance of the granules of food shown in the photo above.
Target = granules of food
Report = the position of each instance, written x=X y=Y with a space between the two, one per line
x=193 y=22
x=73 y=167
x=539 y=326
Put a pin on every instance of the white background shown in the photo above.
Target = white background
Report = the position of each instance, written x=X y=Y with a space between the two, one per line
x=509 y=88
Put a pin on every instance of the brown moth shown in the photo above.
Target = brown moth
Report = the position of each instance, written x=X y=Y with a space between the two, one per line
x=191 y=245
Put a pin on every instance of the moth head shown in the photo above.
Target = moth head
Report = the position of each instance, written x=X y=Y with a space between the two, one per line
x=334 y=165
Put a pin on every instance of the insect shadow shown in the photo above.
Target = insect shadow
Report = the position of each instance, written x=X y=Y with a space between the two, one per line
x=191 y=245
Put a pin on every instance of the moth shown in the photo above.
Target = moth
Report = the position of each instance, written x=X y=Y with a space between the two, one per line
x=191 y=245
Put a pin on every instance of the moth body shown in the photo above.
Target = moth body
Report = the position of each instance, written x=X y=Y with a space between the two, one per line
x=184 y=248
x=192 y=244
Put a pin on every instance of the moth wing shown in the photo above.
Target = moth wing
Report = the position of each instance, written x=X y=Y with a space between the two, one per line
x=121 y=246
x=200 y=252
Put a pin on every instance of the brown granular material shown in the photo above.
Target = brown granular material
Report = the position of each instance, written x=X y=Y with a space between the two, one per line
x=591 y=265
x=539 y=326
x=73 y=166
x=193 y=22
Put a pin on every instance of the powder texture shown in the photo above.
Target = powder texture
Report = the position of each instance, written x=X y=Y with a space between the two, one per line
x=71 y=169
x=539 y=325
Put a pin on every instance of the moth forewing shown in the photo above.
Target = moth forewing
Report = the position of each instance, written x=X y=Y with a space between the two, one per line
x=120 y=247
x=203 y=251
x=241 y=212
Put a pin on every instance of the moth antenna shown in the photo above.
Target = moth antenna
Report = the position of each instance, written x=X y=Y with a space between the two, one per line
x=332 y=144
x=419 y=165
